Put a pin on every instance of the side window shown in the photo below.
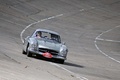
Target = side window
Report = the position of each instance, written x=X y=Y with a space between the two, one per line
x=55 y=37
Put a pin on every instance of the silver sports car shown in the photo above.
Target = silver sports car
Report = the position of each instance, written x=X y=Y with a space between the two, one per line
x=46 y=43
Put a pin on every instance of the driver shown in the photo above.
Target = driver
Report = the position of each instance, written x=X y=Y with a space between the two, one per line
x=38 y=34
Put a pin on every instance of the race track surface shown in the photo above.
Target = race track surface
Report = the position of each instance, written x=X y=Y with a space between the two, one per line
x=90 y=29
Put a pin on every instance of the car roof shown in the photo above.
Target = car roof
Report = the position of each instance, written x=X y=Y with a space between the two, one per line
x=45 y=30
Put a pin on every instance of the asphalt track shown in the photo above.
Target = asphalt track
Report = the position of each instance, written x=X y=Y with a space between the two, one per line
x=90 y=28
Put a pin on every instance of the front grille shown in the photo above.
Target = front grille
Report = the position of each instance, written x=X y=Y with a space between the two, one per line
x=43 y=50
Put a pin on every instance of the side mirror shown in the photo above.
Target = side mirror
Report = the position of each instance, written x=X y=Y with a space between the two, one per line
x=26 y=39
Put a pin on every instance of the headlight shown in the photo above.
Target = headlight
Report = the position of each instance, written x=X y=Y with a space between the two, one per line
x=33 y=46
x=62 y=52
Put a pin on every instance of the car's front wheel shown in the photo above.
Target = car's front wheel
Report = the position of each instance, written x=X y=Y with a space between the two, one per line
x=29 y=54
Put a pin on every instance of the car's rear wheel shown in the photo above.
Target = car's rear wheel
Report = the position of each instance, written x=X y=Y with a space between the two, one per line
x=23 y=52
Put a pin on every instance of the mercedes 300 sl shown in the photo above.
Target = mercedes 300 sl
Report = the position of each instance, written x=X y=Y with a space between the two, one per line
x=46 y=43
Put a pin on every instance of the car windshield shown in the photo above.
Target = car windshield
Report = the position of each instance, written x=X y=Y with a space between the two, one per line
x=50 y=36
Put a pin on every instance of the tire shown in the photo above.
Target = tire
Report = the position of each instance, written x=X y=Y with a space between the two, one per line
x=29 y=54
x=23 y=52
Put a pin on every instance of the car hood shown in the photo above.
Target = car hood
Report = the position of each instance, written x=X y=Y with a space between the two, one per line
x=49 y=44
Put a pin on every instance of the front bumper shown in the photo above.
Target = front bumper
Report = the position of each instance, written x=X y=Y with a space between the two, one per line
x=53 y=56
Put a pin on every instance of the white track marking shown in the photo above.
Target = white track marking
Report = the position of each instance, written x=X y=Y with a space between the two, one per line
x=21 y=36
x=98 y=38
x=77 y=76
x=92 y=7
x=82 y=9
x=107 y=40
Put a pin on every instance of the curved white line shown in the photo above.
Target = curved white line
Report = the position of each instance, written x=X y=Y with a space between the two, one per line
x=98 y=38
